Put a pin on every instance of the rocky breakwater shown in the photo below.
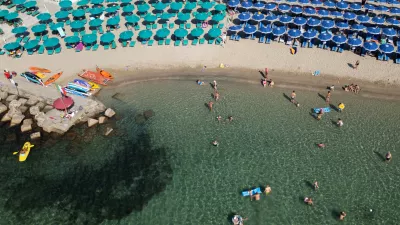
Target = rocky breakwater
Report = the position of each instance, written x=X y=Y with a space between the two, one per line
x=29 y=110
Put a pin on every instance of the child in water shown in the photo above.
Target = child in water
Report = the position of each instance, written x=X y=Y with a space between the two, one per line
x=199 y=82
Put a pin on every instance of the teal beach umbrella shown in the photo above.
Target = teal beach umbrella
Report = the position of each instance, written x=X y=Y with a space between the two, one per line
x=78 y=13
x=89 y=38
x=126 y=1
x=82 y=2
x=31 y=44
x=11 y=16
x=30 y=4
x=176 y=6
x=159 y=6
x=77 y=24
x=61 y=14
x=107 y=37
x=3 y=12
x=143 y=8
x=72 y=39
x=44 y=16
x=39 y=28
x=126 y=35
x=190 y=6
x=150 y=18
x=97 y=2
x=197 y=32
x=206 y=5
x=113 y=21
x=183 y=16
x=65 y=4
x=96 y=11
x=111 y=9
x=201 y=16
x=214 y=32
x=51 y=42
x=112 y=1
x=19 y=30
x=180 y=33
x=95 y=23
x=128 y=8
x=18 y=2
x=218 y=17
x=12 y=46
x=145 y=34
x=55 y=26
x=220 y=7
x=132 y=19
x=166 y=16
x=163 y=33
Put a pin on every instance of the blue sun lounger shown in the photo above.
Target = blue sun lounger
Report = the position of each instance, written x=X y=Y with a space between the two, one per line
x=253 y=192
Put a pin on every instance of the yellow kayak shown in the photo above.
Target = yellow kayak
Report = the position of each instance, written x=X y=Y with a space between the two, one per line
x=23 y=154
x=40 y=75
x=93 y=85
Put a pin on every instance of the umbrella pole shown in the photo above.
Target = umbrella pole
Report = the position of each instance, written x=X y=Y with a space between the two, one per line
x=62 y=100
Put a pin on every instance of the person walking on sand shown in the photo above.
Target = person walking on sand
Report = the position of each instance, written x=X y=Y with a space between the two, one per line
x=271 y=83
x=210 y=105
x=388 y=157
x=293 y=96
x=357 y=64
x=342 y=215
x=316 y=187
x=328 y=97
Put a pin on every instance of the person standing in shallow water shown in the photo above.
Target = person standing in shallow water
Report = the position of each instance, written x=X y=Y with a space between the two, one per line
x=210 y=105
x=388 y=157
x=328 y=97
x=316 y=187
x=342 y=215
x=293 y=96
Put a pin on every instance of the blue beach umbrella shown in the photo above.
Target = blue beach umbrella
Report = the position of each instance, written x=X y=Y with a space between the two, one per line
x=89 y=39
x=290 y=1
x=43 y=17
x=336 y=14
x=299 y=21
x=371 y=46
x=342 y=5
x=284 y=7
x=325 y=36
x=72 y=39
x=362 y=19
x=245 y=16
x=369 y=7
x=342 y=25
x=165 y=16
x=390 y=32
x=95 y=23
x=393 y=21
x=278 y=31
x=271 y=17
x=303 y=1
x=246 y=4
x=349 y=16
x=265 y=29
x=393 y=2
x=11 y=16
x=285 y=19
x=310 y=11
x=374 y=30
x=19 y=30
x=310 y=34
x=51 y=42
x=96 y=2
x=381 y=8
x=329 y=4
x=11 y=46
x=204 y=16
x=235 y=28
x=339 y=39
x=191 y=5
x=294 y=33
x=258 y=17
x=357 y=27
x=112 y=9
x=233 y=3
x=39 y=28
x=163 y=33
x=316 y=2
x=3 y=12
x=126 y=35
x=30 y=4
x=219 y=7
x=323 y=12
x=176 y=6
x=270 y=6
x=61 y=14
x=65 y=4
x=18 y=2
x=327 y=24
x=378 y=20
x=31 y=44
x=217 y=17
x=78 y=13
x=312 y=22
x=128 y=8
x=132 y=19
x=296 y=9
x=258 y=5
x=82 y=2
x=386 y=48
x=395 y=11
x=355 y=6
x=249 y=29
x=186 y=16
x=108 y=37
x=355 y=42
x=150 y=18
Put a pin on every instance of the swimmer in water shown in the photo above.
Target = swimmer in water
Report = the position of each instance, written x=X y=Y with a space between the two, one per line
x=316 y=187
x=199 y=82
x=267 y=190
x=216 y=95
x=320 y=114
x=321 y=145
x=219 y=118
x=215 y=143
x=388 y=157
x=210 y=105
x=271 y=83
x=230 y=118
x=308 y=200
x=342 y=215
x=215 y=84
x=264 y=82
x=328 y=97
x=339 y=122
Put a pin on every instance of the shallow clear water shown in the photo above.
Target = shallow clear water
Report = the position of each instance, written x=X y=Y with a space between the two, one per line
x=165 y=170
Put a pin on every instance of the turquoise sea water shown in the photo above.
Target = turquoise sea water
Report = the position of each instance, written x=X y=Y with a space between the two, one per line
x=164 y=170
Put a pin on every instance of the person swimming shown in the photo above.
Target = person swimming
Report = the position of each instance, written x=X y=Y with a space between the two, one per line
x=388 y=157
x=199 y=82
x=267 y=190
x=321 y=145
x=308 y=201
x=210 y=105
x=216 y=95
x=320 y=114
x=230 y=118
x=219 y=118
x=215 y=143
x=316 y=187
x=339 y=122
x=264 y=82
x=293 y=96
x=342 y=215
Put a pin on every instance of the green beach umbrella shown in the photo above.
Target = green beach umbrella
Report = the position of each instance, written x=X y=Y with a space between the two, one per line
x=61 y=14
x=183 y=16
x=11 y=16
x=77 y=24
x=3 y=12
x=181 y=33
x=197 y=32
x=31 y=44
x=190 y=6
x=65 y=4
x=218 y=17
x=201 y=16
x=18 y=2
x=55 y=26
x=220 y=7
x=19 y=30
x=72 y=39
x=163 y=33
x=176 y=6
x=113 y=21
x=44 y=16
x=214 y=32
x=126 y=35
x=111 y=9
x=82 y=2
x=51 y=42
x=159 y=6
x=97 y=2
x=145 y=34
x=150 y=18
x=95 y=23
x=11 y=46
x=39 y=28
x=30 y=4
x=132 y=19
x=107 y=37
x=143 y=8
x=96 y=11
x=78 y=13
x=89 y=38
x=128 y=8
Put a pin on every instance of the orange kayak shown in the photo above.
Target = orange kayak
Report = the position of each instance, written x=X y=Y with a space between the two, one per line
x=104 y=73
x=94 y=77
x=53 y=78
x=38 y=69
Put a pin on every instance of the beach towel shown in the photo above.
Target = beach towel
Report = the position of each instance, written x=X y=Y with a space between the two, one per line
x=316 y=73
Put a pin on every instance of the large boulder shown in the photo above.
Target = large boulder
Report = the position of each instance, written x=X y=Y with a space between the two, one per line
x=148 y=114
x=27 y=122
x=35 y=135
x=16 y=119
x=22 y=101
x=41 y=105
x=11 y=97
x=3 y=108
x=102 y=119
x=3 y=95
x=92 y=122
x=32 y=101
x=109 y=113
x=14 y=104
x=6 y=118
x=26 y=127
x=34 y=110
x=47 y=108
x=23 y=109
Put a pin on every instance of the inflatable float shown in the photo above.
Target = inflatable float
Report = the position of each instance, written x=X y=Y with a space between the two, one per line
x=82 y=83
x=253 y=192
x=326 y=109
x=23 y=154
x=93 y=85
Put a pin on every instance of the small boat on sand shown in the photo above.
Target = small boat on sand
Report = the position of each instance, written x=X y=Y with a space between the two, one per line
x=104 y=73
x=32 y=78
x=82 y=83
x=39 y=74
x=94 y=86
x=38 y=69
x=53 y=78
x=24 y=152
x=94 y=77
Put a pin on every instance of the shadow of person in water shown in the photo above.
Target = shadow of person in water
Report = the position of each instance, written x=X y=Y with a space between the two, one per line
x=381 y=156
x=321 y=96
x=309 y=184
x=334 y=107
x=335 y=214
x=287 y=97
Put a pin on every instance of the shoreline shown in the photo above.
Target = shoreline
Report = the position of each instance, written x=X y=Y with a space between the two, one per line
x=282 y=79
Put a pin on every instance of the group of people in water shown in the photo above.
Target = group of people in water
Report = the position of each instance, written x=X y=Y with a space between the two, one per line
x=257 y=196
x=352 y=87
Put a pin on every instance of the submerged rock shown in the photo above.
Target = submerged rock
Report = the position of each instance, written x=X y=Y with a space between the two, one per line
x=70 y=136
x=92 y=122
x=3 y=108
x=139 y=119
x=148 y=114
x=16 y=119
x=102 y=119
x=26 y=127
x=109 y=113
x=11 y=137
x=108 y=131
x=35 y=135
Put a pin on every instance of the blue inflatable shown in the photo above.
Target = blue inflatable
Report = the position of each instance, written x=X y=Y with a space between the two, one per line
x=82 y=83
x=326 y=110
x=253 y=192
